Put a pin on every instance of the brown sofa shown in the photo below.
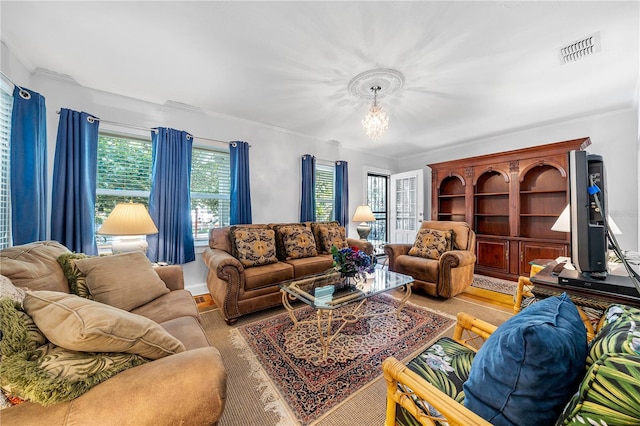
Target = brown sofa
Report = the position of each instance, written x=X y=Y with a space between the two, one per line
x=187 y=388
x=445 y=277
x=240 y=290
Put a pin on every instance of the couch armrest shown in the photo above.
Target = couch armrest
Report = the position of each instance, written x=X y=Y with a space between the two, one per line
x=224 y=281
x=471 y=331
x=394 y=250
x=407 y=388
x=455 y=272
x=185 y=388
x=362 y=245
x=172 y=275
x=219 y=260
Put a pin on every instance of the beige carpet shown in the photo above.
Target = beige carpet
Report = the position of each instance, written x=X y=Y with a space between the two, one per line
x=246 y=406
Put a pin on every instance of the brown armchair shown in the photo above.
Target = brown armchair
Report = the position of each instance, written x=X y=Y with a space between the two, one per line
x=445 y=277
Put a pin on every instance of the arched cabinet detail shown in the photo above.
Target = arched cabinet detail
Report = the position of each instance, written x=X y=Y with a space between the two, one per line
x=511 y=199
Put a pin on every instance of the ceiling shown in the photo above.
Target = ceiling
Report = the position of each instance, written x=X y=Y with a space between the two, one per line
x=471 y=69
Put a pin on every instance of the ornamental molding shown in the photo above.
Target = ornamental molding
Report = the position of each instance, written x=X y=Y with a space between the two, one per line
x=389 y=81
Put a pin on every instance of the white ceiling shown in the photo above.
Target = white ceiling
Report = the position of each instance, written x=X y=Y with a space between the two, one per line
x=472 y=69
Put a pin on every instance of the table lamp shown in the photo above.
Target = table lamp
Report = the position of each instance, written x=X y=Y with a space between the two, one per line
x=363 y=214
x=129 y=221
x=563 y=223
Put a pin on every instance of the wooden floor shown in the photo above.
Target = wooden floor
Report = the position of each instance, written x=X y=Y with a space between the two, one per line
x=204 y=302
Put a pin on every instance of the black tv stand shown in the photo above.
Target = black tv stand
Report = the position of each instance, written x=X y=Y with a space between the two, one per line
x=616 y=284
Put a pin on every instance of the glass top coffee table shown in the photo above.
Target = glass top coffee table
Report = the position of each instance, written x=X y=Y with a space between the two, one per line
x=327 y=291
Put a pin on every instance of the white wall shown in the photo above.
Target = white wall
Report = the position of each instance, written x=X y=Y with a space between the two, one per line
x=613 y=135
x=274 y=155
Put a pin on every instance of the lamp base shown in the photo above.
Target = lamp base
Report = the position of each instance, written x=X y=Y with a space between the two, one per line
x=363 y=230
x=129 y=244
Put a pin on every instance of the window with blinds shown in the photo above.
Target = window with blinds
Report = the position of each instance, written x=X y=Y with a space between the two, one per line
x=124 y=174
x=6 y=105
x=210 y=191
x=325 y=183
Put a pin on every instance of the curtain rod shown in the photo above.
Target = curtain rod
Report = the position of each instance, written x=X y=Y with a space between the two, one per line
x=23 y=93
x=91 y=119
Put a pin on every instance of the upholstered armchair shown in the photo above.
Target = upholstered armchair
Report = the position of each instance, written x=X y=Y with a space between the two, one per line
x=441 y=261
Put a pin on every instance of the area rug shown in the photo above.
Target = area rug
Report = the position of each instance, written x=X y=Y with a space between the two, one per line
x=302 y=386
x=494 y=284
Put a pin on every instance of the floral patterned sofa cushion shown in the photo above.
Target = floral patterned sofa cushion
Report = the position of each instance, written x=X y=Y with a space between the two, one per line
x=298 y=243
x=445 y=365
x=328 y=234
x=253 y=246
x=431 y=243
x=610 y=392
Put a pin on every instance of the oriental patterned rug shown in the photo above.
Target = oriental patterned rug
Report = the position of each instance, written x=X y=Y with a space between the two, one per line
x=302 y=386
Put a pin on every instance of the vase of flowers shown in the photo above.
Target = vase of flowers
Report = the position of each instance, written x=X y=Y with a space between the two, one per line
x=352 y=263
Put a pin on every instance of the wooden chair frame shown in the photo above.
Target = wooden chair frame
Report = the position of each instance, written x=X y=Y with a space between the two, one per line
x=405 y=386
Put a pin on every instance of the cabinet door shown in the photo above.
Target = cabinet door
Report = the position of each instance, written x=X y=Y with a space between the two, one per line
x=537 y=250
x=492 y=254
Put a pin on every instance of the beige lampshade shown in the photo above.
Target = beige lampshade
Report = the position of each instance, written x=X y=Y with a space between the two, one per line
x=363 y=214
x=128 y=219
x=563 y=223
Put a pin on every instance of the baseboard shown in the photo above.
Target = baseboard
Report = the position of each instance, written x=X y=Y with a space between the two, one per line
x=197 y=289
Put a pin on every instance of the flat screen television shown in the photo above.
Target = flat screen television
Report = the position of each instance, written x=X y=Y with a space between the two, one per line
x=588 y=201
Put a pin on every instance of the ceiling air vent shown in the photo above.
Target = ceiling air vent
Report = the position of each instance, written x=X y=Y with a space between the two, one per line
x=580 y=49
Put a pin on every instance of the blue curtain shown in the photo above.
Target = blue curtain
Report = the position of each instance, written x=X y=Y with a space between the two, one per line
x=170 y=198
x=342 y=193
x=308 y=199
x=240 y=183
x=28 y=161
x=74 y=182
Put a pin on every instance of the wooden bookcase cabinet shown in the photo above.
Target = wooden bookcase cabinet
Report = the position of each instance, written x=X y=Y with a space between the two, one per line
x=511 y=199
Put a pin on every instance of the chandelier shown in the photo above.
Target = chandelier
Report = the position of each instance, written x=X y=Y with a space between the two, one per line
x=377 y=121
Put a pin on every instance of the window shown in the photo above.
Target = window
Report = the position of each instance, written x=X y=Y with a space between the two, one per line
x=325 y=181
x=210 y=191
x=6 y=105
x=124 y=174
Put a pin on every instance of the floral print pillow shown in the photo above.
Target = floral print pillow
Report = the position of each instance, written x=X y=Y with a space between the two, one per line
x=254 y=246
x=298 y=242
x=332 y=236
x=431 y=243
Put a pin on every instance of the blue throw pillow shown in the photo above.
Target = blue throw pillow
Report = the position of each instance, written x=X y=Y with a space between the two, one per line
x=530 y=366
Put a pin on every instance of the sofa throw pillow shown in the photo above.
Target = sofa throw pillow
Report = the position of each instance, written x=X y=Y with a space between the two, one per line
x=431 y=243
x=322 y=245
x=620 y=335
x=76 y=279
x=34 y=265
x=280 y=229
x=125 y=280
x=84 y=325
x=298 y=242
x=254 y=246
x=332 y=236
x=540 y=351
x=36 y=370
x=610 y=378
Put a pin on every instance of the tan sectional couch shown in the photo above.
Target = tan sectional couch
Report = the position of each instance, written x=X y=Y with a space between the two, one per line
x=186 y=388
x=240 y=290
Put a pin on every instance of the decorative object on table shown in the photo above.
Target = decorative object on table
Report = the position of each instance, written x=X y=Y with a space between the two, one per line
x=363 y=215
x=352 y=263
x=129 y=221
